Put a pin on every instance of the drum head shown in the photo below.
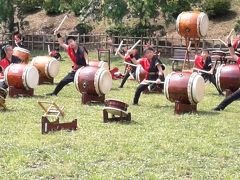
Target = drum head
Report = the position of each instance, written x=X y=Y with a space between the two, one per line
x=31 y=77
x=53 y=68
x=196 y=88
x=103 y=65
x=203 y=22
x=104 y=81
x=115 y=111
x=166 y=84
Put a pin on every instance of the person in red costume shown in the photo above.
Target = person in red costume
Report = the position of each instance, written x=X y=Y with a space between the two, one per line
x=18 y=39
x=7 y=58
x=236 y=43
x=78 y=56
x=204 y=62
x=130 y=69
x=154 y=69
x=236 y=95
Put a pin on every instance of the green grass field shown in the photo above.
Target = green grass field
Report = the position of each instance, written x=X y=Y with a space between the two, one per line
x=156 y=145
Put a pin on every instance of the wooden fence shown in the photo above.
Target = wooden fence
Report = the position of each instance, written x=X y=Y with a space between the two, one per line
x=102 y=41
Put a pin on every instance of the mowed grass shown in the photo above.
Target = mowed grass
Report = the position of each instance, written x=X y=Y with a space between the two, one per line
x=156 y=145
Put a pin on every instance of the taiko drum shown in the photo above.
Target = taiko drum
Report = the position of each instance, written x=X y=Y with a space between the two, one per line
x=22 y=54
x=93 y=80
x=21 y=76
x=100 y=64
x=185 y=87
x=192 y=24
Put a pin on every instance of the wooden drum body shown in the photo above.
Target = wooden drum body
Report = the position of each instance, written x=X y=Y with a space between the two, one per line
x=21 y=76
x=93 y=80
x=228 y=77
x=100 y=64
x=22 y=54
x=48 y=67
x=192 y=24
x=184 y=87
x=116 y=107
x=140 y=73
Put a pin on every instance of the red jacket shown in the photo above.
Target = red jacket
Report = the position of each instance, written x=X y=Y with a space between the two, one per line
x=4 y=63
x=198 y=63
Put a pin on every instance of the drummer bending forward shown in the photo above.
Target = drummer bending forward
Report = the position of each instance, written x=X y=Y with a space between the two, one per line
x=236 y=94
x=78 y=56
x=129 y=69
x=153 y=67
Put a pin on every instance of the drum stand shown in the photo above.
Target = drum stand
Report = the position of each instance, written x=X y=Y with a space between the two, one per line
x=55 y=112
x=87 y=98
x=181 y=108
x=104 y=55
x=44 y=80
x=15 y=92
x=122 y=117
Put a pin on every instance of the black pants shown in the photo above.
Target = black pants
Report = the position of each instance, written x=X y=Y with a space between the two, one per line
x=212 y=79
x=3 y=85
x=140 y=89
x=126 y=77
x=66 y=80
x=229 y=100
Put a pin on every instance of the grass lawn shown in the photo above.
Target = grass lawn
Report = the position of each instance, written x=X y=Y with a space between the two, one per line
x=156 y=145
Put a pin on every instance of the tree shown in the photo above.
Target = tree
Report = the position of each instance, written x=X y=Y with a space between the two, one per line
x=115 y=10
x=7 y=14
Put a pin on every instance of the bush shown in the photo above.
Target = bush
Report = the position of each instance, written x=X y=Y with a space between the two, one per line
x=51 y=6
x=26 y=6
x=119 y=30
x=237 y=26
x=83 y=28
x=216 y=7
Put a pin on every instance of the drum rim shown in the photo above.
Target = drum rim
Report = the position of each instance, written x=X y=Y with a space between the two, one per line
x=76 y=78
x=166 y=84
x=218 y=72
x=177 y=22
x=116 y=100
x=5 y=74
x=96 y=80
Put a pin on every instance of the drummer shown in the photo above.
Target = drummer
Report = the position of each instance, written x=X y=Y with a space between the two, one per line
x=78 y=56
x=130 y=69
x=236 y=94
x=236 y=43
x=18 y=39
x=204 y=62
x=153 y=67
x=7 y=58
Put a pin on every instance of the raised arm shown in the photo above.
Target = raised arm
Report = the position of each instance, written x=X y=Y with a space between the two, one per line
x=231 y=49
x=61 y=41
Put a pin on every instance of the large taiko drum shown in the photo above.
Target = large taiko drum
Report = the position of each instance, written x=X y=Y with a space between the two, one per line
x=100 y=64
x=21 y=76
x=48 y=67
x=93 y=80
x=228 y=77
x=192 y=24
x=140 y=73
x=185 y=87
x=22 y=54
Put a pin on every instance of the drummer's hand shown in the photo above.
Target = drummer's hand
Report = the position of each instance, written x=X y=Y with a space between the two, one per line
x=55 y=32
x=129 y=52
x=158 y=81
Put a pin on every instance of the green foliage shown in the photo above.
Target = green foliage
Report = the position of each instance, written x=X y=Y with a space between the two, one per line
x=237 y=26
x=171 y=9
x=119 y=30
x=52 y=6
x=92 y=11
x=216 y=7
x=115 y=10
x=144 y=9
x=7 y=13
x=83 y=28
x=26 y=6
x=72 y=5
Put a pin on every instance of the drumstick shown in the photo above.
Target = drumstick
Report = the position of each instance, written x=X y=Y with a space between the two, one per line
x=49 y=49
x=150 y=81
x=65 y=17
x=202 y=71
x=119 y=47
x=223 y=42
x=130 y=64
x=189 y=46
x=135 y=45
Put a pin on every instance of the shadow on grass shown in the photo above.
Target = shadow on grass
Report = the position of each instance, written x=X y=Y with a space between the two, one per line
x=210 y=112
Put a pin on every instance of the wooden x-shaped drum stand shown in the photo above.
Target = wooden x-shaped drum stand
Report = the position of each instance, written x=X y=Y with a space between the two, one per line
x=54 y=111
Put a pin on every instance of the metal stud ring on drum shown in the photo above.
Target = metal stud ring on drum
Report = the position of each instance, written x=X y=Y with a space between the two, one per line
x=76 y=78
x=218 y=73
x=166 y=82
x=102 y=72
x=96 y=85
x=189 y=88
x=6 y=73
x=85 y=84
x=24 y=78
